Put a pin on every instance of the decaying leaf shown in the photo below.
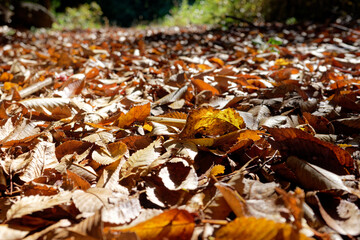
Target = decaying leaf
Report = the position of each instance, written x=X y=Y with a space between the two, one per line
x=110 y=154
x=41 y=157
x=313 y=177
x=28 y=205
x=12 y=233
x=169 y=133
x=340 y=214
x=177 y=174
x=143 y=158
x=292 y=141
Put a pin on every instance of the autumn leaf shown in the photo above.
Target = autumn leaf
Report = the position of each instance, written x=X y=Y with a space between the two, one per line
x=251 y=228
x=213 y=122
x=172 y=224
x=135 y=114
x=296 y=142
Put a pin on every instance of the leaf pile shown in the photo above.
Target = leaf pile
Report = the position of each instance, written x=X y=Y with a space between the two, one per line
x=180 y=133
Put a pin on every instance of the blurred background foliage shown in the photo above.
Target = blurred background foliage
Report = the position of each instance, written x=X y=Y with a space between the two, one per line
x=126 y=13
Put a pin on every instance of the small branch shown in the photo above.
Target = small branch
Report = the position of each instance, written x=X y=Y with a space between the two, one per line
x=166 y=120
x=242 y=20
x=35 y=87
x=345 y=28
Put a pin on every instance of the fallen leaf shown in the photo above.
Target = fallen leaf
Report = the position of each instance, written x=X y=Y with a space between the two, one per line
x=260 y=229
x=213 y=122
x=171 y=224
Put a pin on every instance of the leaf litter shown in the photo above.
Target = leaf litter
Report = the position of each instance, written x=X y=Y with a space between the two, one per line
x=180 y=133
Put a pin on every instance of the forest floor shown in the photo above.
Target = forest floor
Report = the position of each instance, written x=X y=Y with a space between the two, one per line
x=180 y=133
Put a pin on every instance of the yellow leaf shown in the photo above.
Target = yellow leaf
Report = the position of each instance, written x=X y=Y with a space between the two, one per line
x=212 y=122
x=9 y=85
x=204 y=142
x=217 y=169
x=251 y=228
x=147 y=127
x=282 y=62
x=172 y=225
x=137 y=113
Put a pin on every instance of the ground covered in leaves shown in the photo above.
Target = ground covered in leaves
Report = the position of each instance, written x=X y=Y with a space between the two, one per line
x=180 y=133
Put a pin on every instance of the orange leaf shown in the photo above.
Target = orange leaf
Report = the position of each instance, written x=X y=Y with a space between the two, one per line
x=137 y=113
x=201 y=85
x=92 y=73
x=251 y=228
x=6 y=77
x=173 y=224
x=77 y=182
x=217 y=60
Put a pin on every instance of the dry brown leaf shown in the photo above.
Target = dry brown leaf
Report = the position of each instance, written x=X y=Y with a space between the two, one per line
x=26 y=130
x=76 y=181
x=41 y=157
x=100 y=138
x=233 y=199
x=121 y=210
x=110 y=176
x=341 y=215
x=7 y=232
x=45 y=105
x=177 y=174
x=92 y=199
x=112 y=152
x=313 y=177
x=172 y=97
x=71 y=146
x=50 y=231
x=90 y=228
x=141 y=159
x=31 y=204
x=292 y=141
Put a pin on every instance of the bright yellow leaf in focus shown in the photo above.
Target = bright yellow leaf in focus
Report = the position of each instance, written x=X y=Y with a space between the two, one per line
x=251 y=228
x=212 y=122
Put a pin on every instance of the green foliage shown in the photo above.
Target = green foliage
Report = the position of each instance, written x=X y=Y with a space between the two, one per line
x=288 y=11
x=212 y=12
x=87 y=15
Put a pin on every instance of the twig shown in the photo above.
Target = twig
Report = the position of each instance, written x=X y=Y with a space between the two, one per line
x=166 y=120
x=35 y=87
x=345 y=28
x=242 y=20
